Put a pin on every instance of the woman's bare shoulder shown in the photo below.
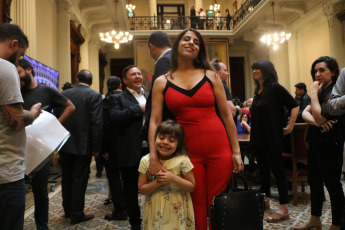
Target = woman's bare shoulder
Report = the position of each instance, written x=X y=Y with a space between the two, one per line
x=160 y=82
x=212 y=75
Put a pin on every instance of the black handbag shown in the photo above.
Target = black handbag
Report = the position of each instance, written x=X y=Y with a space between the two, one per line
x=238 y=208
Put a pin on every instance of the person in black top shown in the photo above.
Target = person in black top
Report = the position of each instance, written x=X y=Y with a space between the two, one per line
x=33 y=93
x=326 y=141
x=302 y=99
x=108 y=153
x=267 y=131
x=228 y=18
x=193 y=18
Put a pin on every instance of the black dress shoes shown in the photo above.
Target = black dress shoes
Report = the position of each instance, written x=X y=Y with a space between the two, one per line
x=116 y=216
x=83 y=219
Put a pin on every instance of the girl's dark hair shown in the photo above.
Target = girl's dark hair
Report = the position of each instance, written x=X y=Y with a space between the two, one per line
x=113 y=83
x=201 y=62
x=247 y=116
x=331 y=63
x=269 y=74
x=171 y=127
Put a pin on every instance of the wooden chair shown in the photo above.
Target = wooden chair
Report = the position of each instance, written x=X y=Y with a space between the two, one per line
x=298 y=171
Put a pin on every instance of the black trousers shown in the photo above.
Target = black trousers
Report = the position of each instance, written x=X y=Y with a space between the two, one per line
x=324 y=168
x=75 y=176
x=115 y=183
x=130 y=176
x=272 y=160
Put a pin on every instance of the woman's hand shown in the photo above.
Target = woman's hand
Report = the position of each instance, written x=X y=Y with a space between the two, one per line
x=154 y=167
x=287 y=130
x=164 y=176
x=244 y=124
x=315 y=87
x=237 y=162
x=327 y=126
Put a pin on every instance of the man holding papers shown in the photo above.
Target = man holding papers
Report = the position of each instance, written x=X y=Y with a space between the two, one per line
x=33 y=93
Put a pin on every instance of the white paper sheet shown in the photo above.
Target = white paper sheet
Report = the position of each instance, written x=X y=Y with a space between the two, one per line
x=44 y=136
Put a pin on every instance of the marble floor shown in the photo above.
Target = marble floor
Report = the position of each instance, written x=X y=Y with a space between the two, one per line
x=97 y=193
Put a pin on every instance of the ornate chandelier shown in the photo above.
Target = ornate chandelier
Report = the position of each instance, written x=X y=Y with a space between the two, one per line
x=215 y=7
x=116 y=38
x=275 y=38
x=130 y=7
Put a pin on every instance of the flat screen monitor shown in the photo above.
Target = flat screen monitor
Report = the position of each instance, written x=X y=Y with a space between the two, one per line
x=44 y=74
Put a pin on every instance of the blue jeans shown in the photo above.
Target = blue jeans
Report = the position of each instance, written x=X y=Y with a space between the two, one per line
x=39 y=188
x=12 y=205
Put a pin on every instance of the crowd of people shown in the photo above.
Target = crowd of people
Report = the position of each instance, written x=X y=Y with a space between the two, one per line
x=176 y=144
x=203 y=20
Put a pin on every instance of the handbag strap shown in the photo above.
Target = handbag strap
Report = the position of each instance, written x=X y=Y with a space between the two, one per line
x=233 y=182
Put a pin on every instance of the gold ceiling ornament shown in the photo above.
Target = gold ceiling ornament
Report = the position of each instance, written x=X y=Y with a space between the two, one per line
x=116 y=38
x=276 y=37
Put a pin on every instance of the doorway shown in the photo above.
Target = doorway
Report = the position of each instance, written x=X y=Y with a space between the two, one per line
x=117 y=65
x=237 y=77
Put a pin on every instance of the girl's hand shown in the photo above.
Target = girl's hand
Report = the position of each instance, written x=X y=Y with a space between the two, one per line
x=327 y=126
x=237 y=162
x=315 y=87
x=243 y=123
x=164 y=176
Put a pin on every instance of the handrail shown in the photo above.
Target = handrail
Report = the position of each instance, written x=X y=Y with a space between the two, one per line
x=185 y=22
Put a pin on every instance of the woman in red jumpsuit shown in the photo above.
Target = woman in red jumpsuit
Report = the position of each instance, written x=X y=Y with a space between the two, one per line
x=191 y=92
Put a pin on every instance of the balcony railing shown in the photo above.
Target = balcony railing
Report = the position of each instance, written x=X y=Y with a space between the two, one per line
x=184 y=22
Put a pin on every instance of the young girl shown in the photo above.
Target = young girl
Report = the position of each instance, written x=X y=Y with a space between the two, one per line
x=168 y=204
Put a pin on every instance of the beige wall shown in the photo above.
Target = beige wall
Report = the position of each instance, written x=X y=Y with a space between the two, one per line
x=46 y=32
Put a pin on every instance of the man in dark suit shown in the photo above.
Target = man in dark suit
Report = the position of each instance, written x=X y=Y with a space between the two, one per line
x=303 y=100
x=160 y=50
x=127 y=113
x=86 y=128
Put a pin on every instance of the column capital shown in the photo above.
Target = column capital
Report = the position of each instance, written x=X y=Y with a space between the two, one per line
x=330 y=9
x=64 y=6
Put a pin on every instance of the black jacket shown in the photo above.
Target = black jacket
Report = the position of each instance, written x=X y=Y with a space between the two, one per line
x=125 y=113
x=86 y=123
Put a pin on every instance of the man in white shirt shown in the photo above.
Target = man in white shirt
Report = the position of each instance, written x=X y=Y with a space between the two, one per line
x=126 y=111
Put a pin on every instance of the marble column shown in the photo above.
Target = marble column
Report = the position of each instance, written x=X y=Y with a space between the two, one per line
x=336 y=40
x=94 y=63
x=23 y=13
x=296 y=74
x=280 y=60
x=198 y=5
x=63 y=41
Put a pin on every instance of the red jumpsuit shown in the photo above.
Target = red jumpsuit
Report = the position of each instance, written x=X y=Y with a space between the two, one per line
x=208 y=145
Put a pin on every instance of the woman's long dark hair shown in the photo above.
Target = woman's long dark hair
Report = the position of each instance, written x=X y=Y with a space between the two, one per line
x=269 y=74
x=201 y=62
x=331 y=63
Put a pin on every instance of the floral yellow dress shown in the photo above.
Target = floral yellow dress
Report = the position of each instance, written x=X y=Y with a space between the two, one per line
x=169 y=207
